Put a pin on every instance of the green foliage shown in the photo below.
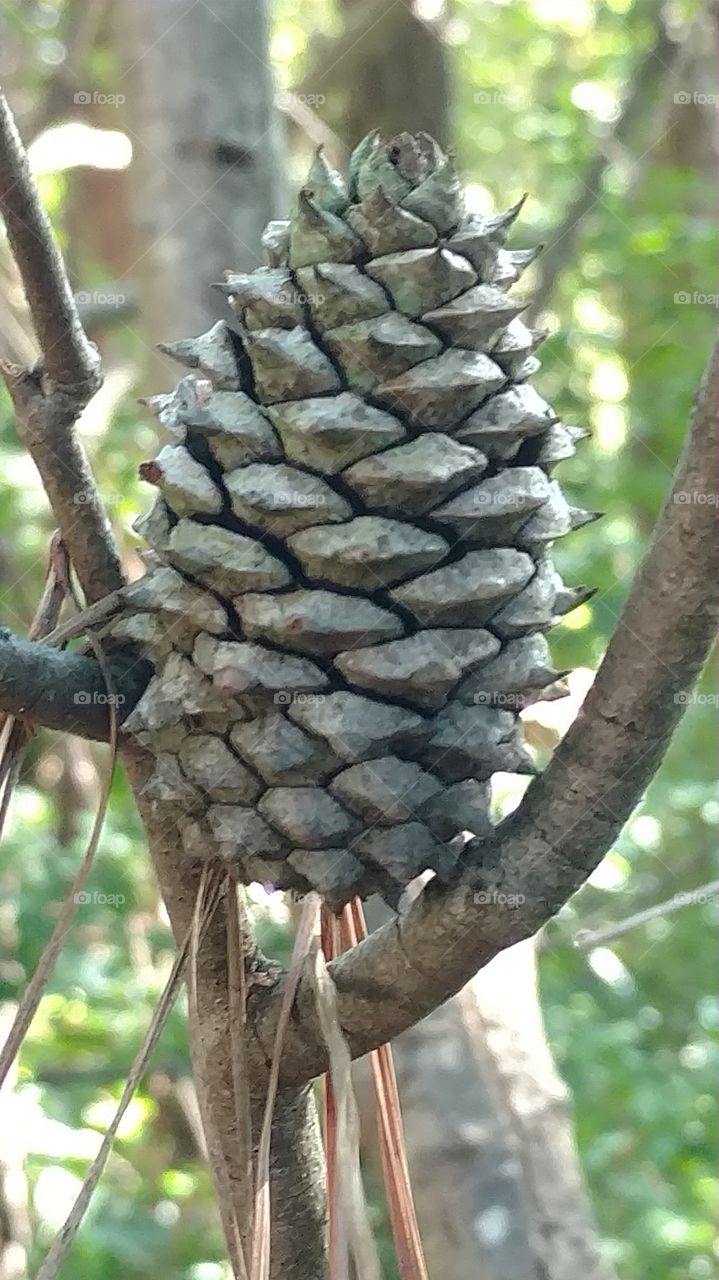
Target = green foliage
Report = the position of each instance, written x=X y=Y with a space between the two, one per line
x=633 y=1023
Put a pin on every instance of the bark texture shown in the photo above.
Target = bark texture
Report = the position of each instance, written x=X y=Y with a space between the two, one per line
x=399 y=60
x=495 y=1171
x=207 y=161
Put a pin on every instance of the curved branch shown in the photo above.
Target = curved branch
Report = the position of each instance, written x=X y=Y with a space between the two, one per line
x=65 y=691
x=570 y=816
x=49 y=399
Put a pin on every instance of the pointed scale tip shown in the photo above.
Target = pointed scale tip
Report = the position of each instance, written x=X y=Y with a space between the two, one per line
x=155 y=402
x=580 y=517
x=501 y=223
x=523 y=258
x=583 y=595
x=183 y=349
x=573 y=598
x=515 y=209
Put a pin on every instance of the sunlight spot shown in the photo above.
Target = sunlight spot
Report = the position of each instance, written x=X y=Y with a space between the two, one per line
x=596 y=99
x=68 y=145
x=609 y=968
x=609 y=380
x=574 y=15
x=610 y=426
x=611 y=874
x=430 y=10
x=646 y=832
x=478 y=198
x=55 y=1193
x=578 y=618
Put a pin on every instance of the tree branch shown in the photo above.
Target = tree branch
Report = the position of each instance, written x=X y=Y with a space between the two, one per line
x=570 y=816
x=65 y=691
x=49 y=398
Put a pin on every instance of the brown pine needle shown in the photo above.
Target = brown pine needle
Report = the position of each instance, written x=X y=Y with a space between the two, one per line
x=207 y=902
x=213 y=885
x=405 y=1230
x=336 y=1233
x=349 y=1177
x=261 y=1234
x=237 y=981
x=39 y=980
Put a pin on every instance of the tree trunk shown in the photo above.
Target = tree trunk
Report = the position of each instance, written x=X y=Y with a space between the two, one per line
x=488 y=1124
x=496 y=1175
x=386 y=64
x=206 y=164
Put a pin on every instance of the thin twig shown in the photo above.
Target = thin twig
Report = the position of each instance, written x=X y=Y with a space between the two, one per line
x=587 y=939
x=561 y=243
x=49 y=398
x=82 y=621
x=69 y=359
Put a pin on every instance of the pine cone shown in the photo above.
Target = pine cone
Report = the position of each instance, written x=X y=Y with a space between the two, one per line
x=350 y=581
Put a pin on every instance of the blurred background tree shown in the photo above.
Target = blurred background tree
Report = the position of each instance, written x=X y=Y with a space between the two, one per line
x=604 y=109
